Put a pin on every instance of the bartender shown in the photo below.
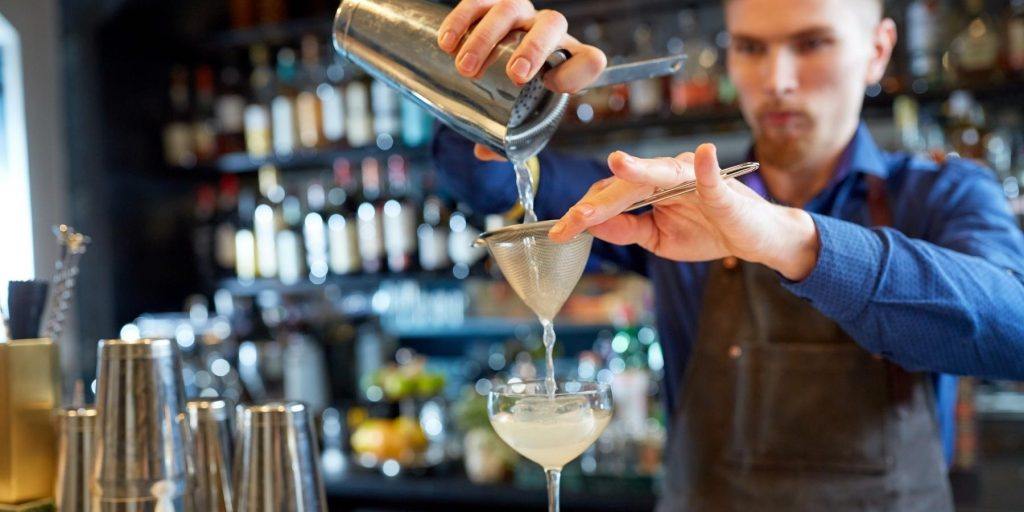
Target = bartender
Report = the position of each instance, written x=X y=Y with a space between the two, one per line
x=812 y=314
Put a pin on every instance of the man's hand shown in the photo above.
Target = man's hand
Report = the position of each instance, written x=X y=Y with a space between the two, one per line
x=723 y=218
x=546 y=32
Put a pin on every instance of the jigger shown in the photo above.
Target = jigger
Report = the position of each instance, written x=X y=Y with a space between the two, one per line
x=142 y=460
x=77 y=427
x=211 y=441
x=277 y=461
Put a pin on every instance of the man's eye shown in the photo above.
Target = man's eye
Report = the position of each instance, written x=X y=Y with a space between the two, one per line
x=748 y=47
x=811 y=44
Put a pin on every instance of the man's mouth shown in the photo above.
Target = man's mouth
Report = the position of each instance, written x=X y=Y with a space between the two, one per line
x=782 y=118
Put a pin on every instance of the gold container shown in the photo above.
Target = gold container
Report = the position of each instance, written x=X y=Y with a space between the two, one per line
x=29 y=392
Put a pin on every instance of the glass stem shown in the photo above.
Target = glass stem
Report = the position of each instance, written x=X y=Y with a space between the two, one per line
x=554 y=484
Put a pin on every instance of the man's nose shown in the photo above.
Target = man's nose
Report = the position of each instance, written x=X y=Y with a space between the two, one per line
x=780 y=72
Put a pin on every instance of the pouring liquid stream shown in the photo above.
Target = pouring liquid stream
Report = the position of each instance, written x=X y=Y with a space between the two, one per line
x=524 y=186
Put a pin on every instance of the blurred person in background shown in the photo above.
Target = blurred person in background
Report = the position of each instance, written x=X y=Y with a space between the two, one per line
x=812 y=314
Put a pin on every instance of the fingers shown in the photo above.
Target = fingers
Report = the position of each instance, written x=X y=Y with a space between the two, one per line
x=711 y=188
x=656 y=172
x=575 y=74
x=482 y=152
x=602 y=202
x=545 y=36
x=628 y=229
x=457 y=23
x=502 y=18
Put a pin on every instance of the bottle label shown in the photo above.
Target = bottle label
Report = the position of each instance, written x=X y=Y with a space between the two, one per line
x=332 y=102
x=224 y=245
x=282 y=112
x=1015 y=44
x=231 y=113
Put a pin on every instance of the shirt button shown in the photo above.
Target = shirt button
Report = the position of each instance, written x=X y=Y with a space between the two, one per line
x=730 y=262
x=735 y=352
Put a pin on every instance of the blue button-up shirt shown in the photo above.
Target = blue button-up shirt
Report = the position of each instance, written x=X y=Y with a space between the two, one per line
x=940 y=291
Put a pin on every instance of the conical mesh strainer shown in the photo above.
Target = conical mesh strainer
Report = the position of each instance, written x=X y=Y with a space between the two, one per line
x=543 y=272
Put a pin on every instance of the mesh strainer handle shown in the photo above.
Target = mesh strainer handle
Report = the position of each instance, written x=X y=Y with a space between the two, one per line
x=691 y=185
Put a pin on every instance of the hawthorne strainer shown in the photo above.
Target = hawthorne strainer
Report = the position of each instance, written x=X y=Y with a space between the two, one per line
x=543 y=272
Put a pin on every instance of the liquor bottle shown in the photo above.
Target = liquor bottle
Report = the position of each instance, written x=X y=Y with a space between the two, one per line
x=1013 y=52
x=230 y=108
x=974 y=52
x=314 y=232
x=227 y=225
x=257 y=112
x=271 y=11
x=243 y=13
x=359 y=122
x=965 y=125
x=695 y=85
x=387 y=118
x=399 y=218
x=204 y=125
x=332 y=100
x=267 y=220
x=432 y=233
x=371 y=225
x=178 y=144
x=245 y=238
x=645 y=96
x=460 y=243
x=906 y=120
x=202 y=235
x=282 y=108
x=291 y=259
x=308 y=110
x=417 y=124
x=592 y=104
x=342 y=223
x=923 y=25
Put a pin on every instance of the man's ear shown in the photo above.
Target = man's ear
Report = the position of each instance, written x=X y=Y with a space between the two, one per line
x=882 y=43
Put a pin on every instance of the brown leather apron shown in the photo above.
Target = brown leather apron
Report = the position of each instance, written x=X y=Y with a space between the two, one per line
x=783 y=411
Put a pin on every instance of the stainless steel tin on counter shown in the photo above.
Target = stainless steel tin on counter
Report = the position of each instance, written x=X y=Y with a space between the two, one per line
x=77 y=431
x=143 y=443
x=277 y=461
x=211 y=439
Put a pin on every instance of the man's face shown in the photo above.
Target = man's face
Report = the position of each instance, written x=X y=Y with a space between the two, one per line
x=801 y=68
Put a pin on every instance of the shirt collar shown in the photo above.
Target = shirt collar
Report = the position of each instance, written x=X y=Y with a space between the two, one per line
x=861 y=155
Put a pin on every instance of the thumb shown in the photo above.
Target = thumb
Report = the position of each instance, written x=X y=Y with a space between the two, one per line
x=711 y=188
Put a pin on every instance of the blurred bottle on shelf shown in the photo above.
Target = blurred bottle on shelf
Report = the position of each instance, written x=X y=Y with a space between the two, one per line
x=359 y=121
x=432 y=233
x=271 y=11
x=923 y=25
x=257 y=112
x=965 y=127
x=1013 y=48
x=245 y=237
x=226 y=226
x=417 y=124
x=460 y=243
x=695 y=85
x=331 y=93
x=243 y=13
x=369 y=213
x=645 y=96
x=230 y=109
x=291 y=258
x=592 y=104
x=974 y=52
x=906 y=120
x=179 y=145
x=282 y=107
x=387 y=117
x=399 y=221
x=204 y=120
x=342 y=222
x=267 y=221
x=308 y=110
x=314 y=232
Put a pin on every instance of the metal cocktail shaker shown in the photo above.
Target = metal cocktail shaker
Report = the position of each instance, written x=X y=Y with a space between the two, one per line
x=395 y=41
x=77 y=426
x=143 y=443
x=211 y=439
x=277 y=462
